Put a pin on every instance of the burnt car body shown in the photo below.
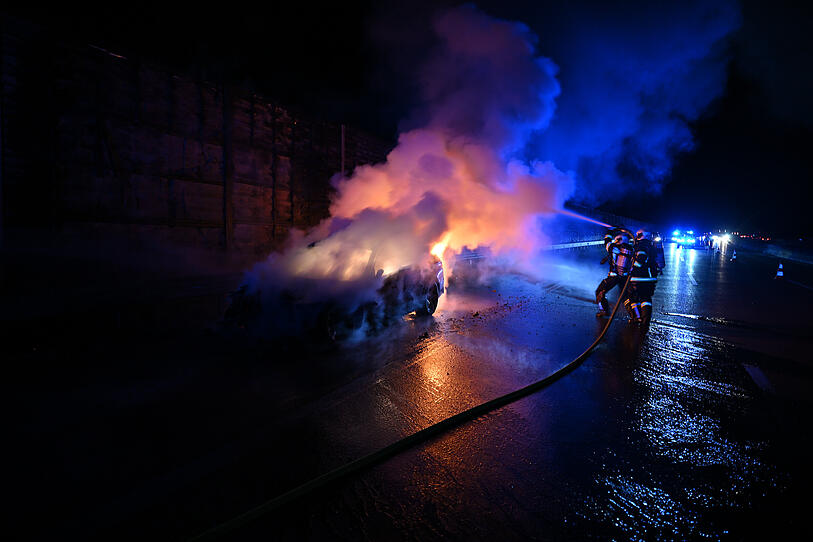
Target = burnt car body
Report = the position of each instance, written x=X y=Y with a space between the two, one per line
x=412 y=289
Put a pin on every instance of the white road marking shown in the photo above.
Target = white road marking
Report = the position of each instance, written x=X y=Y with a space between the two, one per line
x=759 y=378
x=691 y=277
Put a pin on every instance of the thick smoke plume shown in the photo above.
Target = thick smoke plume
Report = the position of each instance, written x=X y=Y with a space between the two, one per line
x=454 y=181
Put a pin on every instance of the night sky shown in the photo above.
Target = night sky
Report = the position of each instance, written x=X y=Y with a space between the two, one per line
x=747 y=166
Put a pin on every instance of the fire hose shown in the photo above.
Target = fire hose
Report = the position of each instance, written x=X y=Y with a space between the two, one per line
x=409 y=441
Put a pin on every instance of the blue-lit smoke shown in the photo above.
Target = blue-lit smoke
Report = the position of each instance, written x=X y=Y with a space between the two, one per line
x=632 y=80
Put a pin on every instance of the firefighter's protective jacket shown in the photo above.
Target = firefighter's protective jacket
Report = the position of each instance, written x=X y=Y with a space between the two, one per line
x=645 y=266
x=619 y=255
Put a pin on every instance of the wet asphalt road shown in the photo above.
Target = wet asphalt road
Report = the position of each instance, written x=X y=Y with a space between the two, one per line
x=695 y=428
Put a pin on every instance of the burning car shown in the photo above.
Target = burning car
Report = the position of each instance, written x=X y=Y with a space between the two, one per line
x=414 y=289
x=366 y=303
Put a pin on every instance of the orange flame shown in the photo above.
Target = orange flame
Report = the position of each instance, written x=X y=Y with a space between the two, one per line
x=439 y=250
x=440 y=247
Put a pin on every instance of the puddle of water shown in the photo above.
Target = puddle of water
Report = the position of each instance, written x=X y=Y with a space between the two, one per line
x=692 y=472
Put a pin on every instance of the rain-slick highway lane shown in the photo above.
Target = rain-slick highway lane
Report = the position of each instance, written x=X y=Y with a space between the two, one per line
x=694 y=428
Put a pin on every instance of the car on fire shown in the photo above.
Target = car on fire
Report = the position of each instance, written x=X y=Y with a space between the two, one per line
x=411 y=289
x=414 y=289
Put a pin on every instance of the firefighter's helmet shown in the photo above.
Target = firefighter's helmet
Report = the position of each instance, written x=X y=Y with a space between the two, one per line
x=621 y=239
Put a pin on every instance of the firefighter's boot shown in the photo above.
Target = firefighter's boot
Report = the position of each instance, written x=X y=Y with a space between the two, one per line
x=646 y=313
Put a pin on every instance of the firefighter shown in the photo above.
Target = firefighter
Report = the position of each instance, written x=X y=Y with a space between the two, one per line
x=619 y=255
x=645 y=270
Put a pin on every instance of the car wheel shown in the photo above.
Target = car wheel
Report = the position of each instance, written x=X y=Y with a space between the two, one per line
x=430 y=303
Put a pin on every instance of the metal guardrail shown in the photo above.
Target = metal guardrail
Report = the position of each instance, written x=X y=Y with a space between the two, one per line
x=574 y=245
x=469 y=256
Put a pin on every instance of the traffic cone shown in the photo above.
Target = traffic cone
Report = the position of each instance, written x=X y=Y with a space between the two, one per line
x=734 y=256
x=779 y=272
